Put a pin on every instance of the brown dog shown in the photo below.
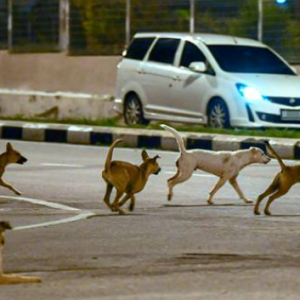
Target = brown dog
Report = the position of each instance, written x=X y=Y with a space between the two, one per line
x=126 y=178
x=11 y=279
x=281 y=184
x=9 y=157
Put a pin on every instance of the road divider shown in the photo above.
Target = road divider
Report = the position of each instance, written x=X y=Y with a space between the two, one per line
x=140 y=138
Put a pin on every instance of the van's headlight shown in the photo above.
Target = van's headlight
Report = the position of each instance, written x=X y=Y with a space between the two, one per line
x=249 y=93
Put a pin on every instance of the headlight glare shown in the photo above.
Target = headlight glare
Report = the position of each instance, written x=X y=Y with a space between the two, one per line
x=249 y=93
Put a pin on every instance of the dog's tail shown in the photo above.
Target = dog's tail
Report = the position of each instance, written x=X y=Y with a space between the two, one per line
x=274 y=153
x=110 y=153
x=178 y=137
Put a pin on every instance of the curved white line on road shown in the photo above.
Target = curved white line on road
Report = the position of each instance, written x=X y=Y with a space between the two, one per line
x=42 y=202
x=82 y=214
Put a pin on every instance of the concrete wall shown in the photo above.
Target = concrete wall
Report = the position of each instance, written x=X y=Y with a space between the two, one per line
x=53 y=72
x=59 y=72
x=33 y=104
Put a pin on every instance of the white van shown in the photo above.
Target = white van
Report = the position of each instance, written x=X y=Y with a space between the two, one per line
x=222 y=81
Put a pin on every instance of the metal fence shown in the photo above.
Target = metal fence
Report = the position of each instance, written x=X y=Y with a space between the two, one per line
x=104 y=27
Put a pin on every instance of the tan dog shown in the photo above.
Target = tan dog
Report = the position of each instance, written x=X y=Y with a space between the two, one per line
x=126 y=178
x=11 y=279
x=224 y=164
x=281 y=184
x=11 y=156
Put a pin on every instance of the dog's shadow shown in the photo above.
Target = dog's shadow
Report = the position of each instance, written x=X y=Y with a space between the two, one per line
x=285 y=216
x=114 y=215
x=207 y=205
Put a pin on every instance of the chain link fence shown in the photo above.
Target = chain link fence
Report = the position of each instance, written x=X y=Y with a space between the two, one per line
x=104 y=27
x=3 y=24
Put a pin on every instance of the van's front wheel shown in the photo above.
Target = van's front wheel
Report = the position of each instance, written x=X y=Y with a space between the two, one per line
x=218 y=114
x=133 y=111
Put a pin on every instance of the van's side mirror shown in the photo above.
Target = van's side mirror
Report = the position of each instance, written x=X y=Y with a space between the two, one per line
x=198 y=67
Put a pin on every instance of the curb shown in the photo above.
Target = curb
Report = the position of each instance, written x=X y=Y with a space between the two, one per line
x=140 y=138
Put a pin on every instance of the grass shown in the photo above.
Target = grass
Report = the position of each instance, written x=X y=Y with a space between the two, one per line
x=116 y=122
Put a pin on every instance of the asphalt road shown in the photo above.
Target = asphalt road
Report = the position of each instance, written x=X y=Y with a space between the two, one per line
x=182 y=249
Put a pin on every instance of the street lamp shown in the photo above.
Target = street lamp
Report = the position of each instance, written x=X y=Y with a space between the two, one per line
x=261 y=17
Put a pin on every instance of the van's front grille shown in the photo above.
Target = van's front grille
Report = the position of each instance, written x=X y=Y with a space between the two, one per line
x=285 y=101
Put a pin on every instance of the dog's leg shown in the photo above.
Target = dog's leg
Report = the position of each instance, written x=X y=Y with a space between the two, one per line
x=115 y=205
x=271 y=189
x=170 y=185
x=2 y=183
x=182 y=175
x=109 y=188
x=219 y=184
x=278 y=194
x=237 y=188
x=126 y=198
x=132 y=203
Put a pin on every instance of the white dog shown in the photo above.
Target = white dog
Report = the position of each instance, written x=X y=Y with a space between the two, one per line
x=224 y=164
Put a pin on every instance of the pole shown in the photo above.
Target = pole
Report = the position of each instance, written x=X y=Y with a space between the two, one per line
x=192 y=16
x=10 y=25
x=260 y=20
x=64 y=30
x=127 y=27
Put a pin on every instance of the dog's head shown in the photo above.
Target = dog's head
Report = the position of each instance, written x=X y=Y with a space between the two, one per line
x=259 y=156
x=4 y=226
x=14 y=156
x=152 y=165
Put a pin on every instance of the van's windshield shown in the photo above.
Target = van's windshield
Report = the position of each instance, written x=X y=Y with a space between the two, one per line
x=248 y=59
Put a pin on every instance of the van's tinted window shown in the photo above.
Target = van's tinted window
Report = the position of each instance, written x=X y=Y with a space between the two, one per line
x=164 y=50
x=191 y=53
x=138 y=48
x=248 y=59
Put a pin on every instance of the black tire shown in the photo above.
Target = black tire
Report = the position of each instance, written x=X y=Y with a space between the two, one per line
x=133 y=111
x=218 y=114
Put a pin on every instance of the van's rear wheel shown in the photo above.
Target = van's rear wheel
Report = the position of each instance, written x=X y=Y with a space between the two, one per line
x=218 y=114
x=133 y=111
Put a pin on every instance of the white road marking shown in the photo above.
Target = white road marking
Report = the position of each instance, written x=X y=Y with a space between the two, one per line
x=82 y=214
x=61 y=165
x=42 y=202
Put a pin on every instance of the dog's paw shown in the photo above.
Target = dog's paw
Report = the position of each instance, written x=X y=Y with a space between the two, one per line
x=121 y=212
x=209 y=202
x=18 y=193
x=256 y=212
x=113 y=208
x=248 y=201
x=268 y=213
x=169 y=197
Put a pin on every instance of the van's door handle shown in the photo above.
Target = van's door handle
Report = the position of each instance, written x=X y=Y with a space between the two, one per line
x=176 y=78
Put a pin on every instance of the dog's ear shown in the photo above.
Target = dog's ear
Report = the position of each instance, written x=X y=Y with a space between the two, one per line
x=156 y=157
x=145 y=155
x=9 y=147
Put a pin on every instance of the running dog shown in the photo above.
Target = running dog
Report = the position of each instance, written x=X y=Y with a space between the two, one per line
x=11 y=279
x=9 y=157
x=224 y=164
x=126 y=178
x=283 y=181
